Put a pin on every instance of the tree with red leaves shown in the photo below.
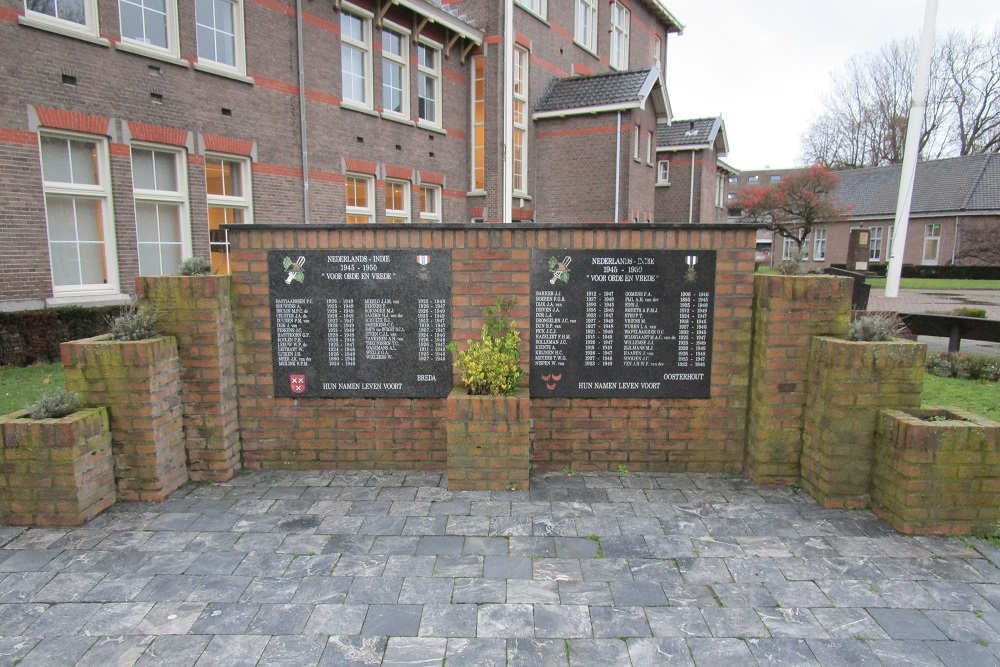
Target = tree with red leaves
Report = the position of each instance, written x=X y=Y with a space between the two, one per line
x=793 y=206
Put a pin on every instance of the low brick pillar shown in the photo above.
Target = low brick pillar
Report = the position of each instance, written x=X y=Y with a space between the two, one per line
x=937 y=477
x=849 y=382
x=140 y=383
x=196 y=311
x=489 y=446
x=55 y=472
x=788 y=310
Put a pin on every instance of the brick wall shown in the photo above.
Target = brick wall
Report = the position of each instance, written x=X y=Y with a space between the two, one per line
x=587 y=434
x=488 y=442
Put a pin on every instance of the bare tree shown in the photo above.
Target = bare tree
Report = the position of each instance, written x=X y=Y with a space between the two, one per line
x=867 y=109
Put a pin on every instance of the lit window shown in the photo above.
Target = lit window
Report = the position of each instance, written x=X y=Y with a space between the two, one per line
x=227 y=182
x=875 y=244
x=619 y=36
x=150 y=25
x=76 y=181
x=586 y=24
x=397 y=202
x=520 y=119
x=360 y=191
x=428 y=84
x=395 y=74
x=478 y=124
x=819 y=243
x=159 y=181
x=430 y=203
x=663 y=171
x=220 y=34
x=67 y=16
x=534 y=6
x=356 y=59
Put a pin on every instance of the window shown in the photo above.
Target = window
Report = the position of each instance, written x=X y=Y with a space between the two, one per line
x=220 y=34
x=397 y=202
x=227 y=182
x=649 y=148
x=428 y=84
x=77 y=17
x=534 y=6
x=520 y=119
x=159 y=185
x=787 y=248
x=76 y=181
x=430 y=203
x=819 y=244
x=395 y=74
x=734 y=179
x=663 y=172
x=150 y=25
x=356 y=59
x=752 y=179
x=360 y=199
x=619 y=36
x=657 y=52
x=586 y=24
x=720 y=189
x=478 y=124
x=731 y=196
x=635 y=142
x=932 y=243
x=875 y=244
x=775 y=178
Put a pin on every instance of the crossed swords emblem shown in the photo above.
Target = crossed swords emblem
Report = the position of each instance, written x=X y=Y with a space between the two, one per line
x=559 y=269
x=294 y=269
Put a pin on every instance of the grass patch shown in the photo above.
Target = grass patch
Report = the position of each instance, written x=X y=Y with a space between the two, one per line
x=20 y=387
x=981 y=398
x=938 y=283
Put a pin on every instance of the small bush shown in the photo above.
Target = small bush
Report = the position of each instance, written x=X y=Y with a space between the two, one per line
x=195 y=266
x=966 y=311
x=54 y=405
x=491 y=367
x=875 y=327
x=981 y=367
x=945 y=364
x=964 y=366
x=134 y=323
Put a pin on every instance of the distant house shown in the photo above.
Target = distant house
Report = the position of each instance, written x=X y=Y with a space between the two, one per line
x=690 y=174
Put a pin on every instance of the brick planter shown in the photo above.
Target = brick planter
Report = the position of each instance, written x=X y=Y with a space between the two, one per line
x=489 y=445
x=938 y=477
x=196 y=311
x=140 y=383
x=848 y=383
x=55 y=472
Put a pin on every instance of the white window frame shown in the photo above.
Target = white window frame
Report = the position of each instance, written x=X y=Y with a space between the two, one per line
x=753 y=179
x=720 y=189
x=649 y=148
x=537 y=7
x=362 y=211
x=432 y=74
x=932 y=235
x=875 y=244
x=477 y=150
x=432 y=193
x=663 y=175
x=177 y=198
x=400 y=215
x=89 y=29
x=101 y=192
x=585 y=32
x=787 y=248
x=635 y=142
x=171 y=51
x=658 y=52
x=242 y=202
x=402 y=61
x=521 y=77
x=620 y=19
x=819 y=244
x=239 y=43
x=364 y=46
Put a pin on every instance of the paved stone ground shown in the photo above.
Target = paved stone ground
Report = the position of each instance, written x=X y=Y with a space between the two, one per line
x=942 y=301
x=379 y=568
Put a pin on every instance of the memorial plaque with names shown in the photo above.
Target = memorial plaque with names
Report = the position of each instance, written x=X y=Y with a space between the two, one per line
x=361 y=323
x=622 y=323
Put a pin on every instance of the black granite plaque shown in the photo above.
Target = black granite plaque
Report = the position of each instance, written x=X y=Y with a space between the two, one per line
x=361 y=323
x=622 y=323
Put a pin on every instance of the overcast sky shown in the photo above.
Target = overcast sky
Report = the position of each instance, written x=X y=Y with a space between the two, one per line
x=764 y=65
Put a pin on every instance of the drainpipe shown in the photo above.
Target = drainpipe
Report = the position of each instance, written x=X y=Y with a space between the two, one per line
x=302 y=111
x=691 y=198
x=618 y=166
x=954 y=243
x=508 y=110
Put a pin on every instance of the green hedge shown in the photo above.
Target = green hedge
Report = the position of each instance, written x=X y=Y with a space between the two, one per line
x=941 y=272
x=33 y=336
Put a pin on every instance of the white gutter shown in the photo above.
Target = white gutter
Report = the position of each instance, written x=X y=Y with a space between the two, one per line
x=508 y=111
x=691 y=202
x=618 y=166
x=302 y=112
x=584 y=111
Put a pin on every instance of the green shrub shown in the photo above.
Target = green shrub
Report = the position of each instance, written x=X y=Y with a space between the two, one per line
x=964 y=366
x=875 y=327
x=33 y=336
x=944 y=364
x=54 y=405
x=195 y=266
x=491 y=367
x=966 y=311
x=981 y=367
x=134 y=323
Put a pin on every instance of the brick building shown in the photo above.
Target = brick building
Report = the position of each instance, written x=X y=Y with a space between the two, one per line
x=690 y=174
x=130 y=131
